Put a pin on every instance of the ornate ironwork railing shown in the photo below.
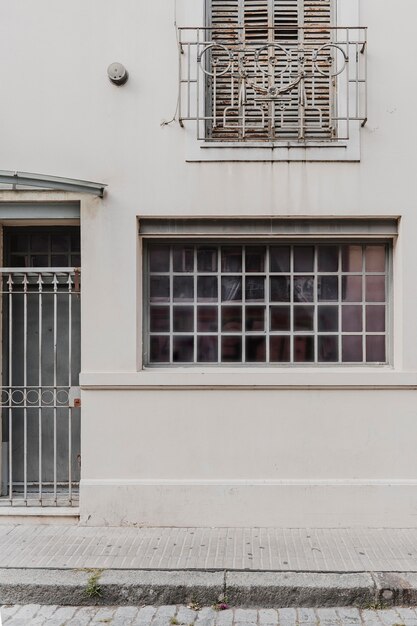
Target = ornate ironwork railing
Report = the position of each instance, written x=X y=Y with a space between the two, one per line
x=309 y=86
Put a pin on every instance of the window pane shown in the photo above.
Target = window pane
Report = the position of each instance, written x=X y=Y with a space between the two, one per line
x=207 y=319
x=19 y=243
x=328 y=260
x=231 y=349
x=255 y=318
x=183 y=258
x=375 y=349
x=183 y=319
x=183 y=288
x=375 y=258
x=159 y=319
x=375 y=319
x=59 y=260
x=280 y=289
x=75 y=260
x=328 y=288
x=39 y=260
x=207 y=259
x=304 y=318
x=352 y=319
x=375 y=288
x=255 y=349
x=209 y=303
x=75 y=241
x=207 y=349
x=207 y=289
x=328 y=346
x=255 y=259
x=159 y=259
x=159 y=349
x=60 y=242
x=39 y=242
x=303 y=349
x=183 y=349
x=352 y=349
x=255 y=288
x=231 y=288
x=328 y=318
x=232 y=259
x=304 y=289
x=279 y=349
x=280 y=318
x=231 y=318
x=159 y=288
x=303 y=258
x=351 y=258
x=352 y=288
x=279 y=258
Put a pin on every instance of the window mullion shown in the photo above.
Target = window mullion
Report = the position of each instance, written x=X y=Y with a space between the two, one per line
x=315 y=304
x=243 y=279
x=339 y=305
x=267 y=307
x=292 y=304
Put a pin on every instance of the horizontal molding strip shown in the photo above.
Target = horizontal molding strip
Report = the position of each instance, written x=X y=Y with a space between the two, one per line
x=274 y=226
x=240 y=482
x=224 y=379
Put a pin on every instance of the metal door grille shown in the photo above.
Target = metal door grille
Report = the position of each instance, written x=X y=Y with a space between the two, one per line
x=41 y=364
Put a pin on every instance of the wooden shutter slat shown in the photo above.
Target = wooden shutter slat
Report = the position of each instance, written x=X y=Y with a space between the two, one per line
x=258 y=22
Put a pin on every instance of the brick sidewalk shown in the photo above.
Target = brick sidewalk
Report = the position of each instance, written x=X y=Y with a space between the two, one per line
x=339 y=550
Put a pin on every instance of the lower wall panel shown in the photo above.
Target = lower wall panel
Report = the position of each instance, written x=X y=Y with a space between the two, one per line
x=280 y=506
x=281 y=458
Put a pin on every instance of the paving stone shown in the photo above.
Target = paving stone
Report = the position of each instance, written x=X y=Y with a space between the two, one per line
x=186 y=616
x=370 y=618
x=124 y=616
x=61 y=615
x=7 y=611
x=328 y=617
x=408 y=616
x=164 y=615
x=287 y=617
x=267 y=616
x=349 y=616
x=389 y=617
x=146 y=613
x=306 y=616
x=103 y=616
x=246 y=615
x=46 y=612
x=82 y=617
x=224 y=618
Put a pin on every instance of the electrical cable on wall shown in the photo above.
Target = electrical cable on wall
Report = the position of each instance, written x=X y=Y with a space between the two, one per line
x=174 y=117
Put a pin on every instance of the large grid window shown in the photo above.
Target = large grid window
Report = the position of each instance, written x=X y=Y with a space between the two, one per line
x=275 y=303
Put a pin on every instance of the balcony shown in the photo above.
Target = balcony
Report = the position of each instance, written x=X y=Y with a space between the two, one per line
x=301 y=86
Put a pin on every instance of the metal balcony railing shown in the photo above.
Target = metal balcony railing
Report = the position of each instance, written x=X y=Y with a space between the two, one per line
x=303 y=85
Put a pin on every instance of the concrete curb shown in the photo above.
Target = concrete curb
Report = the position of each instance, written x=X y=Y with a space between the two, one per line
x=244 y=589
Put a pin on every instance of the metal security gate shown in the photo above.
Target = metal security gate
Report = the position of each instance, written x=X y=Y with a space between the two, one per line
x=41 y=364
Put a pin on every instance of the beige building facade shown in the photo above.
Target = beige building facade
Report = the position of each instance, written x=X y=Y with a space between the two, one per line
x=222 y=330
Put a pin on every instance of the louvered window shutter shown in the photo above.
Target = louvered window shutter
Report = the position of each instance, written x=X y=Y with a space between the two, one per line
x=256 y=23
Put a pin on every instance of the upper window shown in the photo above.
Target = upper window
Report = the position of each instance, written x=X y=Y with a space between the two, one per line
x=266 y=303
x=272 y=71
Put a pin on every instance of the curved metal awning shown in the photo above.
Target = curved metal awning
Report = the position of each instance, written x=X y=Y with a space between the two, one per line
x=51 y=182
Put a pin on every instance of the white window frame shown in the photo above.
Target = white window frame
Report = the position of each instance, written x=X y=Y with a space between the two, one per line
x=348 y=15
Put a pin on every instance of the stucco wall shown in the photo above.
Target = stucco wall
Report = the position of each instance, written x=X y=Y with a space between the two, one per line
x=60 y=115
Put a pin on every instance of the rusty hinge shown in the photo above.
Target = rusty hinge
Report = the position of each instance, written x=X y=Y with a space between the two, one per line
x=77 y=274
